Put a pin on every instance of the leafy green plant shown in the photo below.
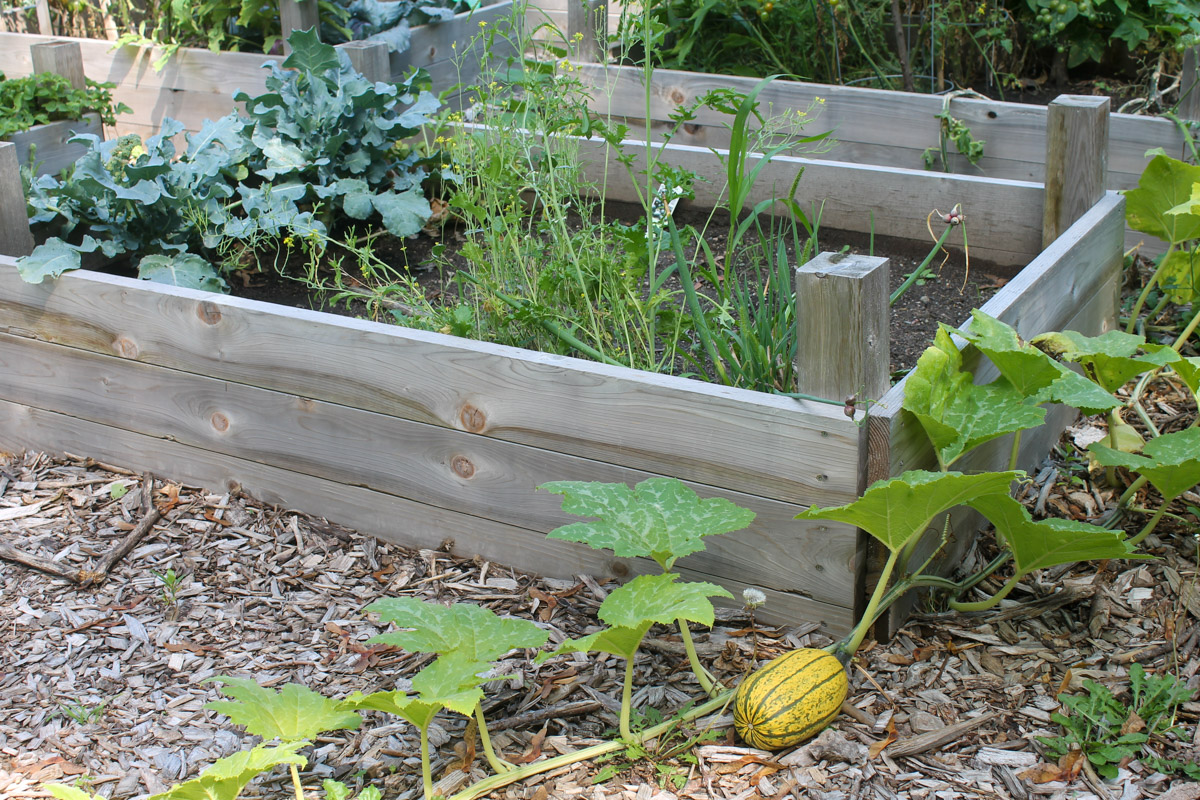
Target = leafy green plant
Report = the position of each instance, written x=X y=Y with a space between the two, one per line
x=83 y=713
x=1166 y=204
x=952 y=129
x=170 y=586
x=1108 y=731
x=294 y=715
x=662 y=519
x=463 y=630
x=46 y=97
x=317 y=145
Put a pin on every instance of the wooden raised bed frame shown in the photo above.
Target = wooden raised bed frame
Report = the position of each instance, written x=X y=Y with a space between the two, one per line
x=434 y=441
x=198 y=84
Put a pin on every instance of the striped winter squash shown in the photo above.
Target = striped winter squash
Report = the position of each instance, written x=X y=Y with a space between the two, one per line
x=789 y=699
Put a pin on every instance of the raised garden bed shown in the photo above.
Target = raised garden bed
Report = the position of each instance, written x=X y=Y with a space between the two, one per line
x=884 y=128
x=195 y=84
x=50 y=147
x=436 y=441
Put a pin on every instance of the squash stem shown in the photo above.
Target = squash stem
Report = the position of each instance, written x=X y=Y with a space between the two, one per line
x=491 y=784
x=991 y=602
x=849 y=646
x=1152 y=523
x=497 y=764
x=707 y=683
x=426 y=769
x=296 y=782
x=627 y=699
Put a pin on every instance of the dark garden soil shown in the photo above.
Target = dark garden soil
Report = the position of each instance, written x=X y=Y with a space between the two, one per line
x=948 y=295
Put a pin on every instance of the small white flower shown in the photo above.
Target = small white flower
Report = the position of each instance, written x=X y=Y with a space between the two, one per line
x=753 y=598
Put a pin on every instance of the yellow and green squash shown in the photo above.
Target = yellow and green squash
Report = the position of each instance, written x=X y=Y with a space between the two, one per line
x=789 y=699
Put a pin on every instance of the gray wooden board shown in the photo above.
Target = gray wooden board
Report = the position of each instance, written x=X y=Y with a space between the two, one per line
x=713 y=435
x=1004 y=217
x=50 y=144
x=197 y=84
x=393 y=519
x=877 y=126
x=446 y=468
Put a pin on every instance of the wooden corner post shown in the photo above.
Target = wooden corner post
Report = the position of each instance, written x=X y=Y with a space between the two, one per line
x=297 y=15
x=15 y=238
x=842 y=327
x=1076 y=160
x=587 y=28
x=371 y=59
x=1189 y=85
x=61 y=58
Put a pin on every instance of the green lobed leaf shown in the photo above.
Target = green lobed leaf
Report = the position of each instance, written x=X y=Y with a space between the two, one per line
x=293 y=713
x=659 y=518
x=1048 y=542
x=1112 y=358
x=1032 y=372
x=404 y=213
x=452 y=681
x=1180 y=276
x=413 y=709
x=309 y=54
x=618 y=641
x=64 y=792
x=181 y=269
x=956 y=414
x=1165 y=184
x=226 y=778
x=463 y=627
x=897 y=510
x=48 y=260
x=1171 y=462
x=660 y=598
x=1188 y=370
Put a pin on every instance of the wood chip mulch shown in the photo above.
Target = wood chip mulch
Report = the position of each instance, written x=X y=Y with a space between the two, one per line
x=104 y=685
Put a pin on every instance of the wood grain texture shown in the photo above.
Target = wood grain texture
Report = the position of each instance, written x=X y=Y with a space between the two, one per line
x=1009 y=213
x=388 y=517
x=197 y=84
x=1189 y=85
x=297 y=15
x=49 y=146
x=662 y=424
x=61 y=58
x=876 y=126
x=370 y=59
x=842 y=327
x=450 y=469
x=15 y=238
x=1076 y=160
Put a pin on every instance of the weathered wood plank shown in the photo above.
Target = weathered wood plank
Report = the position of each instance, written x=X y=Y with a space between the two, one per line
x=878 y=126
x=842 y=327
x=50 y=147
x=369 y=512
x=1076 y=160
x=662 y=424
x=1009 y=213
x=15 y=238
x=449 y=469
x=61 y=58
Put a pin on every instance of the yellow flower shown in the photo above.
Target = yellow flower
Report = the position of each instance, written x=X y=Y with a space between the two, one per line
x=287 y=241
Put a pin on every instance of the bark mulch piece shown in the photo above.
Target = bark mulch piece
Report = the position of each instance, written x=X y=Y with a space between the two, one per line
x=104 y=684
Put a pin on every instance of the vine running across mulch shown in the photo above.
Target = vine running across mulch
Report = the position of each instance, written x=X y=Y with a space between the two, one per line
x=104 y=685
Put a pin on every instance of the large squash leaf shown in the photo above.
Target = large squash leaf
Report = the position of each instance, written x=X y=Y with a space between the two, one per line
x=898 y=510
x=659 y=518
x=461 y=628
x=1165 y=185
x=293 y=713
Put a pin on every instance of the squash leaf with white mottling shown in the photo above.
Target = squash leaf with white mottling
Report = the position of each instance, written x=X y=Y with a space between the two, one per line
x=660 y=518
